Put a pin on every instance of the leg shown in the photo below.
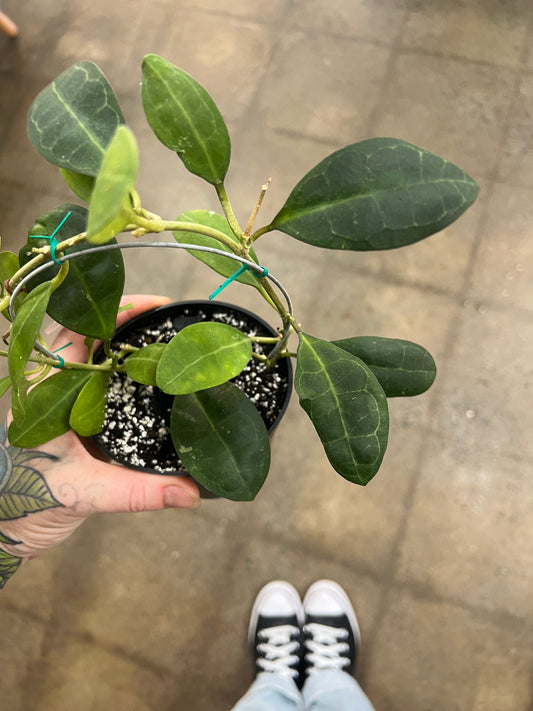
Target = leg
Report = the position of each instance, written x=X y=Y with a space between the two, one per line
x=275 y=635
x=332 y=641
x=334 y=690
x=271 y=692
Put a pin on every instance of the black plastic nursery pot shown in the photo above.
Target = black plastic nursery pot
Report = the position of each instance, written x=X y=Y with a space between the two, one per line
x=136 y=431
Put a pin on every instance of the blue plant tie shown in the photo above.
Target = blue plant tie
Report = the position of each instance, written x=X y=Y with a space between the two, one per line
x=53 y=241
x=237 y=274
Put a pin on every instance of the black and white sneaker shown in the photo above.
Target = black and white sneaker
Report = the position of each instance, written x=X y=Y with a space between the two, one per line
x=275 y=630
x=331 y=633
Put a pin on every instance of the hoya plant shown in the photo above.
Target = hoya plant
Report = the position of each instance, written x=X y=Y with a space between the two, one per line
x=376 y=194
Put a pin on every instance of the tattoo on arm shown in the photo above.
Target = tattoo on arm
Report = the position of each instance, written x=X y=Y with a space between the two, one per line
x=23 y=491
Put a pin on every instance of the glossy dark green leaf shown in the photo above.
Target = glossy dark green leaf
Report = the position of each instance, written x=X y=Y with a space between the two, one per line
x=346 y=405
x=87 y=301
x=381 y=193
x=24 y=333
x=222 y=441
x=185 y=119
x=73 y=119
x=110 y=207
x=225 y=267
x=88 y=412
x=81 y=185
x=403 y=368
x=202 y=356
x=141 y=366
x=47 y=410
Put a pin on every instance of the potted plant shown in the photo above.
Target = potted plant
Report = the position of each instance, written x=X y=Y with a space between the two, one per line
x=381 y=193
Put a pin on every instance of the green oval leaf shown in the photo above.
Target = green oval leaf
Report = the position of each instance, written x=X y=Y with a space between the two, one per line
x=110 y=203
x=73 y=119
x=222 y=441
x=201 y=356
x=381 y=193
x=185 y=119
x=24 y=333
x=402 y=368
x=5 y=384
x=225 y=267
x=81 y=185
x=94 y=280
x=88 y=412
x=48 y=407
x=9 y=264
x=97 y=282
x=346 y=405
x=141 y=366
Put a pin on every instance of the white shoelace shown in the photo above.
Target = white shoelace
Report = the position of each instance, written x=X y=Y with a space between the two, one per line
x=325 y=647
x=278 y=650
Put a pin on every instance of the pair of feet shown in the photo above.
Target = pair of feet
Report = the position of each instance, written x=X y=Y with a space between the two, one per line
x=296 y=638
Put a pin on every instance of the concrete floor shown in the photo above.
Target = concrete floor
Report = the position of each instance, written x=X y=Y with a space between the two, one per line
x=149 y=612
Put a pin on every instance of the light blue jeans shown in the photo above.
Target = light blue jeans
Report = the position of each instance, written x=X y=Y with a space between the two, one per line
x=328 y=690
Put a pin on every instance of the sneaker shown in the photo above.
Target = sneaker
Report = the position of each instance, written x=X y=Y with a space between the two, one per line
x=275 y=630
x=331 y=633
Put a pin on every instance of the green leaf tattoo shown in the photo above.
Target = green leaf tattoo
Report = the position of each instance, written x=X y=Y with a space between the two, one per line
x=23 y=490
x=9 y=564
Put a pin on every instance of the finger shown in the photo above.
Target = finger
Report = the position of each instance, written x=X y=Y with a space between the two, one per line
x=115 y=489
x=141 y=303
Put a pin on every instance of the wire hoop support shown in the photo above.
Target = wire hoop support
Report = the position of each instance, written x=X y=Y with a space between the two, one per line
x=256 y=269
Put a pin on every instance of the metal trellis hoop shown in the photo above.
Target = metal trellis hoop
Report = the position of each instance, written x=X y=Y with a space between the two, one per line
x=252 y=266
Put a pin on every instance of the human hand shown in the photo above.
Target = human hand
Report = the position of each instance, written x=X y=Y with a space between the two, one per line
x=48 y=491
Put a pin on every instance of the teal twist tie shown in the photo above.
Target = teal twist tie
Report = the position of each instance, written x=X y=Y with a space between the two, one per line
x=237 y=274
x=61 y=363
x=53 y=241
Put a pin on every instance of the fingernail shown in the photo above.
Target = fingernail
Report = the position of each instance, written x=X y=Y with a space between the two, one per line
x=174 y=497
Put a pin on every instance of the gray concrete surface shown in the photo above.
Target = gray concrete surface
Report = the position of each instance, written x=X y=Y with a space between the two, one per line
x=148 y=612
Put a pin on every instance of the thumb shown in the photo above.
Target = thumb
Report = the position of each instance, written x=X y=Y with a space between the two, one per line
x=116 y=489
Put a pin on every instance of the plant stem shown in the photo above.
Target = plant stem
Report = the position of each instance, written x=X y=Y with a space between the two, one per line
x=89 y=342
x=43 y=373
x=42 y=253
x=251 y=221
x=263 y=339
x=228 y=210
x=175 y=226
x=259 y=232
x=278 y=304
x=44 y=360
